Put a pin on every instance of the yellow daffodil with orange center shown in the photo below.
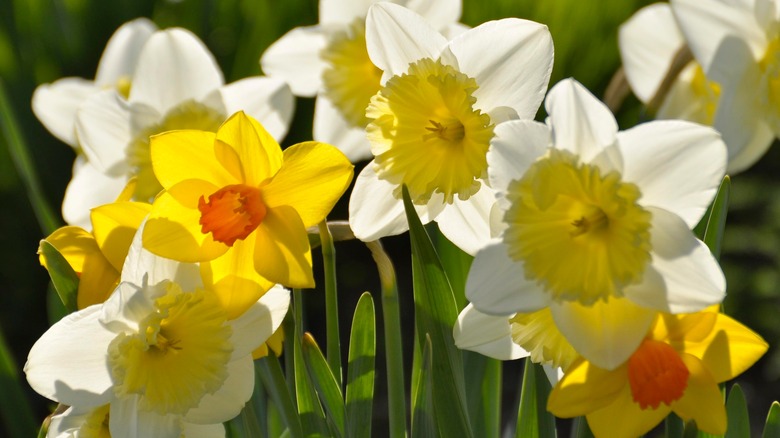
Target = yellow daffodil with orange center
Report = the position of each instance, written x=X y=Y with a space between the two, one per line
x=239 y=205
x=425 y=132
x=676 y=368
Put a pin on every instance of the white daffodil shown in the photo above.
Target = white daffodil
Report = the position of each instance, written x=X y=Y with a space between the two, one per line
x=432 y=120
x=177 y=85
x=737 y=43
x=330 y=61
x=56 y=104
x=160 y=352
x=598 y=223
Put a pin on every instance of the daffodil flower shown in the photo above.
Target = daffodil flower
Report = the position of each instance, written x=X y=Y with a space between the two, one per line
x=235 y=200
x=598 y=223
x=738 y=46
x=56 y=104
x=330 y=61
x=676 y=368
x=160 y=352
x=176 y=85
x=432 y=120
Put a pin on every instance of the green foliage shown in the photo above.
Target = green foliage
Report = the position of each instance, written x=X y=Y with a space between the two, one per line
x=14 y=407
x=270 y=372
x=360 y=369
x=532 y=416
x=423 y=415
x=772 y=425
x=325 y=384
x=737 y=412
x=64 y=278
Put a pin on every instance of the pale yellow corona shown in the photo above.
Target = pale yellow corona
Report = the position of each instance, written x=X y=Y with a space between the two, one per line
x=769 y=96
x=537 y=333
x=708 y=93
x=96 y=423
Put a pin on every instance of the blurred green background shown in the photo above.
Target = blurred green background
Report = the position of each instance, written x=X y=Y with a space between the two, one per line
x=43 y=40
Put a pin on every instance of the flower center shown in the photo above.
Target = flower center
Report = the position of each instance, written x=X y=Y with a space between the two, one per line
x=537 y=333
x=95 y=423
x=351 y=78
x=179 y=354
x=769 y=95
x=656 y=374
x=580 y=235
x=425 y=132
x=232 y=213
x=188 y=115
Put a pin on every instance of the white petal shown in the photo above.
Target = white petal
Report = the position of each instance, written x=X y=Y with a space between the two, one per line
x=295 y=58
x=496 y=284
x=174 y=66
x=440 y=13
x=331 y=127
x=677 y=165
x=374 y=212
x=88 y=189
x=66 y=424
x=127 y=420
x=453 y=30
x=343 y=12
x=259 y=322
x=191 y=430
x=706 y=23
x=270 y=101
x=580 y=123
x=514 y=147
x=228 y=400
x=606 y=334
x=55 y=105
x=486 y=334
x=648 y=42
x=69 y=363
x=511 y=60
x=467 y=223
x=104 y=131
x=396 y=36
x=683 y=275
x=122 y=51
x=553 y=374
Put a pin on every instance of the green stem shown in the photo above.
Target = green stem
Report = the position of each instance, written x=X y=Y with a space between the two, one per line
x=331 y=302
x=393 y=350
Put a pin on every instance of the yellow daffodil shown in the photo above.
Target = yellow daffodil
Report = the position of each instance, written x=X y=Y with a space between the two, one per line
x=676 y=368
x=235 y=200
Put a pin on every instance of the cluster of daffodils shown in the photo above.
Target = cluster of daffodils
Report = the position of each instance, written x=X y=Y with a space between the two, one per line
x=188 y=220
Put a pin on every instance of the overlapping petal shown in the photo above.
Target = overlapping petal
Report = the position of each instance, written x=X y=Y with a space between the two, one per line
x=55 y=106
x=120 y=57
x=282 y=253
x=268 y=100
x=486 y=334
x=178 y=156
x=258 y=152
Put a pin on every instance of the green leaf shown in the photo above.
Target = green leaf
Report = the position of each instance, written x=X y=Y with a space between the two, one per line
x=64 y=278
x=674 y=426
x=14 y=408
x=435 y=314
x=772 y=425
x=737 y=411
x=360 y=369
x=423 y=418
x=312 y=417
x=580 y=428
x=716 y=224
x=325 y=383
x=331 y=303
x=270 y=372
x=483 y=392
x=532 y=416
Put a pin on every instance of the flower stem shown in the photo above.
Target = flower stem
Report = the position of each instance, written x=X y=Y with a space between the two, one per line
x=331 y=302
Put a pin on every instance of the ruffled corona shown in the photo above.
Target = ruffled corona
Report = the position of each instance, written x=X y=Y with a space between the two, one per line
x=96 y=423
x=656 y=374
x=580 y=234
x=708 y=93
x=232 y=213
x=425 y=132
x=536 y=333
x=179 y=354
x=351 y=78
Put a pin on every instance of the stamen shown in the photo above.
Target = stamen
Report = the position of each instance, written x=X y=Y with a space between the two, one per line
x=452 y=131
x=592 y=221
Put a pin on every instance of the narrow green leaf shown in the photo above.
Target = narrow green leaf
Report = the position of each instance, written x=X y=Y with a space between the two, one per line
x=580 y=428
x=772 y=425
x=249 y=421
x=737 y=411
x=423 y=418
x=716 y=224
x=270 y=372
x=331 y=302
x=309 y=408
x=64 y=278
x=435 y=315
x=483 y=392
x=360 y=369
x=674 y=426
x=14 y=408
x=325 y=383
x=532 y=416
x=47 y=219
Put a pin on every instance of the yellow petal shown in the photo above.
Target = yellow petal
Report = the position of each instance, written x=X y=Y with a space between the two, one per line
x=585 y=388
x=691 y=327
x=730 y=349
x=624 y=418
x=312 y=178
x=702 y=400
x=74 y=243
x=181 y=155
x=259 y=153
x=114 y=226
x=275 y=343
x=172 y=230
x=282 y=253
x=128 y=191
x=233 y=278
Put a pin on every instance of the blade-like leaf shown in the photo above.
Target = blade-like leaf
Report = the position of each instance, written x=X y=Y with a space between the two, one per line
x=423 y=418
x=64 y=278
x=532 y=416
x=325 y=383
x=674 y=426
x=309 y=408
x=270 y=372
x=580 y=428
x=737 y=411
x=716 y=224
x=772 y=425
x=360 y=369
x=14 y=408
x=331 y=302
x=435 y=315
